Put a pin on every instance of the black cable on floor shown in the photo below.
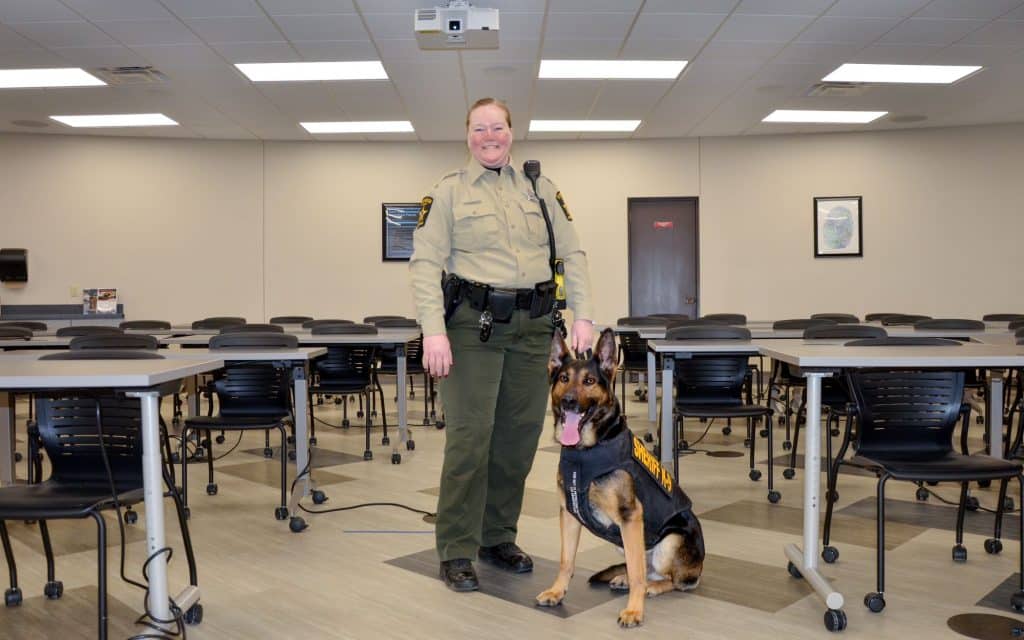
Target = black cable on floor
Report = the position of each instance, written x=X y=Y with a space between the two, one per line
x=957 y=503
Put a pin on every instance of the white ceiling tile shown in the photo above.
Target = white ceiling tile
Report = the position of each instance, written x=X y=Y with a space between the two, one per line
x=690 y=6
x=64 y=34
x=661 y=49
x=798 y=52
x=564 y=99
x=970 y=54
x=409 y=6
x=701 y=89
x=784 y=7
x=181 y=56
x=999 y=32
x=930 y=31
x=98 y=10
x=238 y=29
x=1016 y=14
x=213 y=8
x=149 y=32
x=433 y=88
x=594 y=5
x=508 y=52
x=243 y=52
x=370 y=101
x=595 y=25
x=896 y=54
x=307 y=7
x=509 y=84
x=11 y=40
x=628 y=99
x=329 y=51
x=343 y=26
x=30 y=57
x=829 y=30
x=972 y=9
x=520 y=25
x=30 y=10
x=572 y=49
x=402 y=49
x=717 y=51
x=393 y=26
x=101 y=56
x=390 y=137
x=685 y=26
x=876 y=8
x=751 y=28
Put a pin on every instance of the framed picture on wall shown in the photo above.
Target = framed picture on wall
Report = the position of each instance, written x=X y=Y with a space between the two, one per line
x=398 y=221
x=838 y=227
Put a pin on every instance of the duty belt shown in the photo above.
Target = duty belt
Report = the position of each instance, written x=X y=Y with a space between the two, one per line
x=497 y=305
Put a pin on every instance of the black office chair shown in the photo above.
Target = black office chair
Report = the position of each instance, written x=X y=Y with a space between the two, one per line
x=387 y=364
x=835 y=397
x=633 y=352
x=290 y=319
x=903 y=320
x=669 y=316
x=88 y=330
x=145 y=325
x=26 y=324
x=376 y=319
x=217 y=322
x=252 y=396
x=1002 y=317
x=713 y=386
x=114 y=341
x=347 y=369
x=841 y=318
x=905 y=430
x=309 y=324
x=737 y=319
x=878 y=317
x=15 y=333
x=252 y=328
x=84 y=435
x=943 y=324
x=784 y=381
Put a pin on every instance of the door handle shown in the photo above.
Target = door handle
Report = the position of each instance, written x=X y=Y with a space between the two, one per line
x=691 y=299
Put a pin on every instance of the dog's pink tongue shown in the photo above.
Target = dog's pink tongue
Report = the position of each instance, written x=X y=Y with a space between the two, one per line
x=570 y=428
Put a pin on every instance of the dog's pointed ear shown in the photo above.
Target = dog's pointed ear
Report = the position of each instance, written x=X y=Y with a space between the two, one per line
x=559 y=353
x=607 y=354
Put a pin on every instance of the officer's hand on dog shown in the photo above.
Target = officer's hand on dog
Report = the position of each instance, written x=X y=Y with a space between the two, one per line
x=437 y=355
x=582 y=335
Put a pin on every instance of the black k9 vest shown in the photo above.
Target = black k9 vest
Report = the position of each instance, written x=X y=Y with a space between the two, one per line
x=664 y=502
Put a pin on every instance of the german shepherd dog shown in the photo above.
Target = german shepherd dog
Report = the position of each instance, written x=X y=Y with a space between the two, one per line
x=609 y=483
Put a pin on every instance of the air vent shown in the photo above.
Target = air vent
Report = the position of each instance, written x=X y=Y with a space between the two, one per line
x=427 y=15
x=130 y=75
x=837 y=89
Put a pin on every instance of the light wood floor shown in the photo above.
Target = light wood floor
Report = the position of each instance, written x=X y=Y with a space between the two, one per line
x=361 y=573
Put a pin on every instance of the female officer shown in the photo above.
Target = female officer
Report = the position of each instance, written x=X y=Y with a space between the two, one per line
x=483 y=223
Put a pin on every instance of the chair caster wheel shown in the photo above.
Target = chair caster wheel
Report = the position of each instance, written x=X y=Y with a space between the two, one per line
x=219 y=439
x=648 y=437
x=367 y=455
x=17 y=456
x=787 y=445
x=980 y=419
x=426 y=422
x=993 y=546
x=373 y=414
x=360 y=414
x=726 y=431
x=297 y=524
x=835 y=620
x=788 y=474
x=319 y=401
x=281 y=513
x=1008 y=504
x=290 y=439
x=410 y=445
x=832 y=496
x=874 y=602
x=984 y=484
x=337 y=401
x=774 y=497
x=793 y=571
x=131 y=517
x=643 y=397
x=12 y=597
x=268 y=452
x=211 y=489
x=194 y=615
x=972 y=503
x=319 y=497
x=312 y=442
x=830 y=554
x=834 y=433
x=683 y=445
x=54 y=590
x=291 y=455
x=755 y=474
x=175 y=458
x=1017 y=601
x=385 y=441
x=396 y=458
x=763 y=433
x=782 y=420
x=921 y=494
x=959 y=553
x=345 y=424
x=439 y=424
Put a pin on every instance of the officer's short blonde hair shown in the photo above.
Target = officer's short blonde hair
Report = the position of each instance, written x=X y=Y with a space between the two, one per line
x=483 y=102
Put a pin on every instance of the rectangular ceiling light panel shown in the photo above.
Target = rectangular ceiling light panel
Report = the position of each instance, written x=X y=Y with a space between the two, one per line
x=37 y=78
x=313 y=71
x=899 y=73
x=117 y=120
x=824 y=117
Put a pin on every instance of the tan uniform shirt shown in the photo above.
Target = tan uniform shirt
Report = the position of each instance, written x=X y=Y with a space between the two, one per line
x=488 y=228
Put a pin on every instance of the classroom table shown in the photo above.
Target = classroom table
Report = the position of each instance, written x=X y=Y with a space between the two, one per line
x=142 y=379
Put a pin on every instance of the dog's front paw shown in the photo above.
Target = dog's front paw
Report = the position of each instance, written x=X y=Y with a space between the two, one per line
x=551 y=597
x=619 y=583
x=630 y=618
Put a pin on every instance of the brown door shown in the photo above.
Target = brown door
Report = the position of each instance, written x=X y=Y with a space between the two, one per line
x=663 y=256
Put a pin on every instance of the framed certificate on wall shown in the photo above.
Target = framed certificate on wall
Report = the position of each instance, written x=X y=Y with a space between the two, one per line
x=398 y=221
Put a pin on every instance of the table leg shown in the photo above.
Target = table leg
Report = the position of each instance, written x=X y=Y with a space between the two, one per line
x=652 y=387
x=403 y=400
x=994 y=405
x=301 y=432
x=668 y=445
x=6 y=438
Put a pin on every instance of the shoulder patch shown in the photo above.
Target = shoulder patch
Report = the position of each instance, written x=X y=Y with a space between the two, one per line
x=651 y=465
x=565 y=208
x=425 y=205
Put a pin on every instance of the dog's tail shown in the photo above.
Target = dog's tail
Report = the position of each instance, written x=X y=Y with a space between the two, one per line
x=606 y=575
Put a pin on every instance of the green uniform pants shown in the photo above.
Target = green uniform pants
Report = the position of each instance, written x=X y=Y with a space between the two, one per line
x=494 y=402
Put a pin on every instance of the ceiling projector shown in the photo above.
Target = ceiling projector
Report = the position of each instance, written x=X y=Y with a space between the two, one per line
x=459 y=25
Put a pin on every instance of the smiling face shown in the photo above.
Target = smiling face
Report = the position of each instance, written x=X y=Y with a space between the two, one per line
x=489 y=136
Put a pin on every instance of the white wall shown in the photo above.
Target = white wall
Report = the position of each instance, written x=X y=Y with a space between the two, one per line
x=191 y=228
